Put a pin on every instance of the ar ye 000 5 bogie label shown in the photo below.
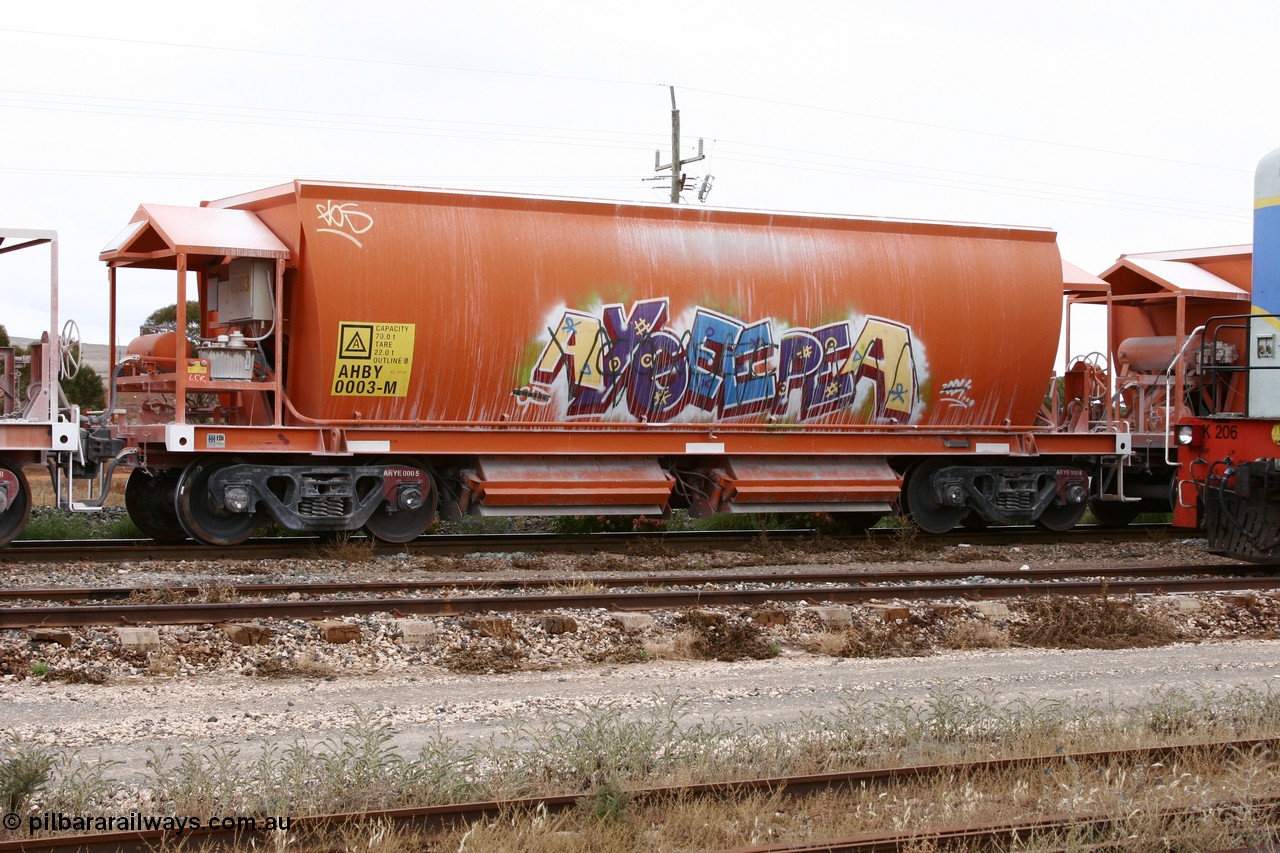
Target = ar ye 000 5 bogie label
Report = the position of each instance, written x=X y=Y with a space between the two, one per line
x=374 y=360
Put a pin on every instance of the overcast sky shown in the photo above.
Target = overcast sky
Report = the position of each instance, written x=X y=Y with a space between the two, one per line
x=1124 y=126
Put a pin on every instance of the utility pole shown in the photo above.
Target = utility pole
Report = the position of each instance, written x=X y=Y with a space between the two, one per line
x=677 y=176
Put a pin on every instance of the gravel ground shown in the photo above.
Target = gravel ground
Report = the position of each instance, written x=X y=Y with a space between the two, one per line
x=467 y=676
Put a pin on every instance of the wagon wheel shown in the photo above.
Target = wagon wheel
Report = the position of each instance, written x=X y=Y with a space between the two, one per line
x=404 y=525
x=1115 y=513
x=16 y=493
x=149 y=498
x=201 y=517
x=69 y=349
x=930 y=515
x=1060 y=519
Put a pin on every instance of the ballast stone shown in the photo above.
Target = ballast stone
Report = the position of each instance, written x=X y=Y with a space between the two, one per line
x=631 y=622
x=416 y=633
x=243 y=634
x=494 y=627
x=891 y=612
x=138 y=639
x=337 y=632
x=992 y=609
x=50 y=635
x=833 y=617
x=559 y=624
x=1183 y=603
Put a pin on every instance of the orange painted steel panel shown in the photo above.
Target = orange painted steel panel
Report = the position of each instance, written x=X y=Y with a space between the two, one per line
x=813 y=480
x=523 y=481
x=455 y=308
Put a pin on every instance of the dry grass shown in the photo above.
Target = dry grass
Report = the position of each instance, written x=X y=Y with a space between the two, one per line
x=1134 y=795
x=212 y=593
x=486 y=656
x=708 y=635
x=619 y=654
x=906 y=544
x=162 y=662
x=348 y=547
x=157 y=595
x=1091 y=623
x=300 y=665
x=610 y=751
x=974 y=554
x=873 y=640
x=575 y=587
x=971 y=634
x=88 y=675
x=42 y=487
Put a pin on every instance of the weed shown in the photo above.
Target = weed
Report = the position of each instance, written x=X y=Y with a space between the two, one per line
x=574 y=525
x=973 y=555
x=39 y=668
x=305 y=666
x=156 y=595
x=973 y=634
x=87 y=675
x=717 y=637
x=905 y=543
x=50 y=523
x=480 y=524
x=607 y=803
x=24 y=770
x=1091 y=623
x=217 y=593
x=487 y=657
x=162 y=662
x=618 y=654
x=349 y=548
x=873 y=640
x=611 y=749
x=1174 y=712
x=582 y=586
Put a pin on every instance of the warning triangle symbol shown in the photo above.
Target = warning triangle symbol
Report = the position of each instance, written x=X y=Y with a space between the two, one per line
x=356 y=341
x=356 y=345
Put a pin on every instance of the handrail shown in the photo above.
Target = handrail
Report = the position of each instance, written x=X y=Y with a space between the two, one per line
x=1168 y=398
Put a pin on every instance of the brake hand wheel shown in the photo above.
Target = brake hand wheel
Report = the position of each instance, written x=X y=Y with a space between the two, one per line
x=69 y=349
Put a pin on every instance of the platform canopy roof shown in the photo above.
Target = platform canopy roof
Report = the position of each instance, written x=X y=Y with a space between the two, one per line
x=1076 y=281
x=1221 y=273
x=158 y=233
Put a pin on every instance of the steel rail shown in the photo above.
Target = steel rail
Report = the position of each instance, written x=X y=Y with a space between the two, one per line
x=115 y=550
x=638 y=580
x=1000 y=836
x=436 y=818
x=49 y=616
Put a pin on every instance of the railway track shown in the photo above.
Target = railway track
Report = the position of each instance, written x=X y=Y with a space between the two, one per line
x=435 y=818
x=487 y=584
x=1010 y=835
x=122 y=550
x=781 y=589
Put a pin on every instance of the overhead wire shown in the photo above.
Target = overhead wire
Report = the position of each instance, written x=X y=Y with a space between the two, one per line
x=594 y=138
x=612 y=81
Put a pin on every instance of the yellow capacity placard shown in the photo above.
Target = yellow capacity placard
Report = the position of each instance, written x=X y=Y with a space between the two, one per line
x=374 y=359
